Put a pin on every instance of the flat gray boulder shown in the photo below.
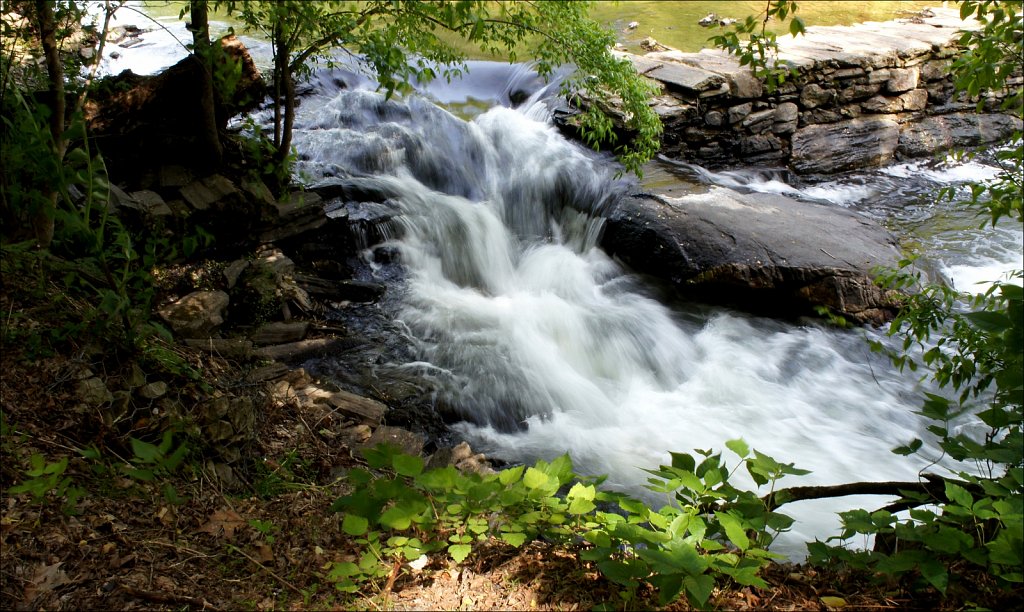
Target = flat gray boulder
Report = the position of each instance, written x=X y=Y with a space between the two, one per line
x=759 y=252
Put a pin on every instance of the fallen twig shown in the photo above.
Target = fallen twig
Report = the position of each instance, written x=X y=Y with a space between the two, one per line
x=267 y=570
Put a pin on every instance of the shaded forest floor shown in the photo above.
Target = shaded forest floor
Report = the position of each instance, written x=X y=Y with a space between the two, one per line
x=96 y=536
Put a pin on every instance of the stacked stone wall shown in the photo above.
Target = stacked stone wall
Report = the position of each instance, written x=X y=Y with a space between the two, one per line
x=862 y=96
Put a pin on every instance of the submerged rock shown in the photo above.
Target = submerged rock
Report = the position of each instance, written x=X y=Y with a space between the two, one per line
x=760 y=252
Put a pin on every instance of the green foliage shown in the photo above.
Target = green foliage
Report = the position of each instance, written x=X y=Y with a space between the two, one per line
x=709 y=533
x=150 y=462
x=757 y=47
x=45 y=478
x=409 y=41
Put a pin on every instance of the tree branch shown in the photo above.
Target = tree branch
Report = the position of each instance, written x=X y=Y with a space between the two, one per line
x=932 y=485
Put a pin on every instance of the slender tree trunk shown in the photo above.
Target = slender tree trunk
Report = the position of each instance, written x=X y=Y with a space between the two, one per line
x=213 y=152
x=280 y=67
x=42 y=219
x=289 y=115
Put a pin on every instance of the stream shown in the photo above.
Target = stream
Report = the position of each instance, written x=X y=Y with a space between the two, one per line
x=537 y=343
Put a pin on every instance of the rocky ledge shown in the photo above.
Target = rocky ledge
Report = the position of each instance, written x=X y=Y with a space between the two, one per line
x=762 y=253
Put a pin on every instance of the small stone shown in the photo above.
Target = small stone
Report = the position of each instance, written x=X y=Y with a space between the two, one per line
x=739 y=112
x=153 y=390
x=93 y=391
x=196 y=314
x=714 y=118
x=814 y=95
x=882 y=104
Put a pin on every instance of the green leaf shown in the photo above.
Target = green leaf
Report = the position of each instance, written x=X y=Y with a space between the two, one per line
x=958 y=495
x=459 y=552
x=733 y=530
x=910 y=448
x=516 y=539
x=699 y=588
x=935 y=573
x=625 y=572
x=511 y=475
x=833 y=602
x=144 y=451
x=534 y=478
x=354 y=525
x=669 y=587
x=407 y=465
x=398 y=517
x=739 y=447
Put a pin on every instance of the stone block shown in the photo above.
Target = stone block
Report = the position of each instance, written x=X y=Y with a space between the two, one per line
x=859 y=91
x=814 y=95
x=879 y=76
x=739 y=112
x=935 y=70
x=903 y=79
x=211 y=192
x=714 y=118
x=914 y=100
x=759 y=122
x=882 y=104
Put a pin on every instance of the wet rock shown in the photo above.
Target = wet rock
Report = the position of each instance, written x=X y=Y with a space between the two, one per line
x=855 y=143
x=197 y=314
x=943 y=132
x=297 y=214
x=762 y=252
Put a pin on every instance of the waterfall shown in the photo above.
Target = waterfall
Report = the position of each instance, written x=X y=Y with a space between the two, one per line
x=539 y=343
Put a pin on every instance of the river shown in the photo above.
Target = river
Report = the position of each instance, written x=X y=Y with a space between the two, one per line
x=538 y=343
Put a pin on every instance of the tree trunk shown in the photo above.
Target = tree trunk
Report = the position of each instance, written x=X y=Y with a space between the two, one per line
x=202 y=50
x=42 y=219
x=289 y=116
x=280 y=66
